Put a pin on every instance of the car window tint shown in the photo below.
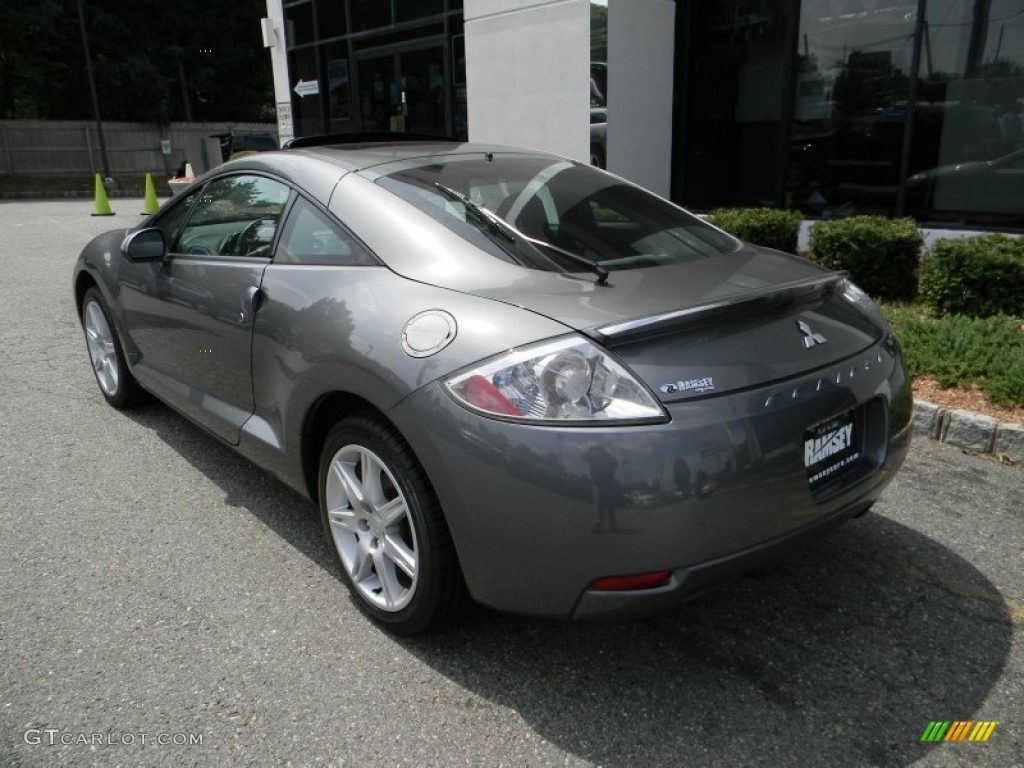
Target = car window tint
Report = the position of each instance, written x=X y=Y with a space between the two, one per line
x=235 y=216
x=171 y=220
x=310 y=237
x=567 y=205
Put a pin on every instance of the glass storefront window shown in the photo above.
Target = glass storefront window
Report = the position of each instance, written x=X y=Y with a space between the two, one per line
x=848 y=150
x=599 y=84
x=369 y=14
x=338 y=80
x=460 y=102
x=408 y=10
x=729 y=148
x=423 y=90
x=307 y=110
x=298 y=21
x=972 y=84
x=853 y=74
x=330 y=17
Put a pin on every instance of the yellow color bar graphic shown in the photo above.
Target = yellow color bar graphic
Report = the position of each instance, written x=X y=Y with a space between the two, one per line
x=982 y=731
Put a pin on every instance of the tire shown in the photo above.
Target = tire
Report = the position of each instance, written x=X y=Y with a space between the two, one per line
x=386 y=529
x=116 y=382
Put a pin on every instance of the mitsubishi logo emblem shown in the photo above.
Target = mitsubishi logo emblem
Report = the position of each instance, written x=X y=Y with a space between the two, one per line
x=810 y=337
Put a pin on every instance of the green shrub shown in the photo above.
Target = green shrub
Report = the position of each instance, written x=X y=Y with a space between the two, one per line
x=978 y=276
x=958 y=351
x=768 y=227
x=880 y=254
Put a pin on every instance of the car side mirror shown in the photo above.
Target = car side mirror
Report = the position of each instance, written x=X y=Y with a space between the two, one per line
x=145 y=245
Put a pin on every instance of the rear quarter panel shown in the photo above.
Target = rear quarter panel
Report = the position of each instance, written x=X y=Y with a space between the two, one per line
x=328 y=329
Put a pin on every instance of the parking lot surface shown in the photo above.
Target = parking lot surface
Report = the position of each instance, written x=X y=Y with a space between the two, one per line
x=163 y=602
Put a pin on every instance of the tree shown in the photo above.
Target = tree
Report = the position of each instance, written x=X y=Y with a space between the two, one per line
x=153 y=61
x=867 y=81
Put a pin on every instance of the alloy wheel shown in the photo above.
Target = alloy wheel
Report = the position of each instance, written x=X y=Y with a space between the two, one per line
x=102 y=349
x=372 y=528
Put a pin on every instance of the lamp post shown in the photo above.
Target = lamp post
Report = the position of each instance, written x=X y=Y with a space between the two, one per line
x=92 y=91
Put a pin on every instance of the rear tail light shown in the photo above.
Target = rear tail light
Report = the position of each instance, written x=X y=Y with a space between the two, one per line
x=570 y=380
x=635 y=581
x=482 y=394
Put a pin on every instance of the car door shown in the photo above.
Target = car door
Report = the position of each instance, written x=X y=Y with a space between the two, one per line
x=192 y=321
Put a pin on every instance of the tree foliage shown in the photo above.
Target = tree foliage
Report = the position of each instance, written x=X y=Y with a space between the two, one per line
x=153 y=61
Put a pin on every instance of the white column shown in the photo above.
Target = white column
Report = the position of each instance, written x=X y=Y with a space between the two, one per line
x=528 y=74
x=274 y=41
x=641 y=43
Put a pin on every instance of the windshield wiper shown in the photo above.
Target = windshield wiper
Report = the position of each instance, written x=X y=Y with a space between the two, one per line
x=480 y=214
x=501 y=227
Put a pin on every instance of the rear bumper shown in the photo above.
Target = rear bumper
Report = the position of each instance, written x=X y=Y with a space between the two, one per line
x=692 y=581
x=539 y=513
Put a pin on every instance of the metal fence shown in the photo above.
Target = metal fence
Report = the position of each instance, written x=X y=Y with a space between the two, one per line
x=66 y=147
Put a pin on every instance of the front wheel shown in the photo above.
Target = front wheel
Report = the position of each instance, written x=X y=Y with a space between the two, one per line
x=115 y=380
x=387 y=530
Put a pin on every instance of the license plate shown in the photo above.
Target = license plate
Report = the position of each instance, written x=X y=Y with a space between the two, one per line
x=830 y=448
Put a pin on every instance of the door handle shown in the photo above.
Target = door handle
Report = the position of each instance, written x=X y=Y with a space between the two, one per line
x=251 y=300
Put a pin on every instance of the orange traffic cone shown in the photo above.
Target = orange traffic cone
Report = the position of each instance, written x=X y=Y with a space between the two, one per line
x=151 y=204
x=102 y=207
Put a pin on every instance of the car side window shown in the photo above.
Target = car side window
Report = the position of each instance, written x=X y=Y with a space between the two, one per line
x=235 y=216
x=171 y=220
x=311 y=237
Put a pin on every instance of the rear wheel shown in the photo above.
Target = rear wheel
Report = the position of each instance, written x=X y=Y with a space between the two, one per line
x=387 y=530
x=116 y=382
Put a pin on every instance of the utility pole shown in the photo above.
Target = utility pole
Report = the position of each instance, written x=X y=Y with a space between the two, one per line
x=92 y=90
x=978 y=38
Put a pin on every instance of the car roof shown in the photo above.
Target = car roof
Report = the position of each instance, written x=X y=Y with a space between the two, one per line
x=317 y=169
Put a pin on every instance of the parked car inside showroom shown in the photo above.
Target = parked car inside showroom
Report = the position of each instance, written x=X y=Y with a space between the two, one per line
x=503 y=375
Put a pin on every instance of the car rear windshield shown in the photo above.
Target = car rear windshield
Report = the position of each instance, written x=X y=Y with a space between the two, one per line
x=568 y=206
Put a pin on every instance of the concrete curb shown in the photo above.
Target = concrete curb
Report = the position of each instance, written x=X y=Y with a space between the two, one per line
x=971 y=431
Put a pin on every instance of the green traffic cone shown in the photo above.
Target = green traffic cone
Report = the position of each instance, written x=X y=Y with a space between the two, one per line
x=151 y=204
x=102 y=206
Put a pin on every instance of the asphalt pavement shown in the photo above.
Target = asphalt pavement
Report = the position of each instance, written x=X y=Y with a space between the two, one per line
x=163 y=602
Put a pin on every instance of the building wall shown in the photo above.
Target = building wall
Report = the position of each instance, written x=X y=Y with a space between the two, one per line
x=528 y=74
x=641 y=45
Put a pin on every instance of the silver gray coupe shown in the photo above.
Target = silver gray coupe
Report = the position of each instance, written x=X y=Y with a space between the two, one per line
x=503 y=375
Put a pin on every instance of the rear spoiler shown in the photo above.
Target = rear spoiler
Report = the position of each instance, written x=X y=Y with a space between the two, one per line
x=773 y=295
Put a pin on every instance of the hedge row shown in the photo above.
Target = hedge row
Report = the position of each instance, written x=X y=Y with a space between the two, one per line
x=767 y=227
x=880 y=254
x=977 y=276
